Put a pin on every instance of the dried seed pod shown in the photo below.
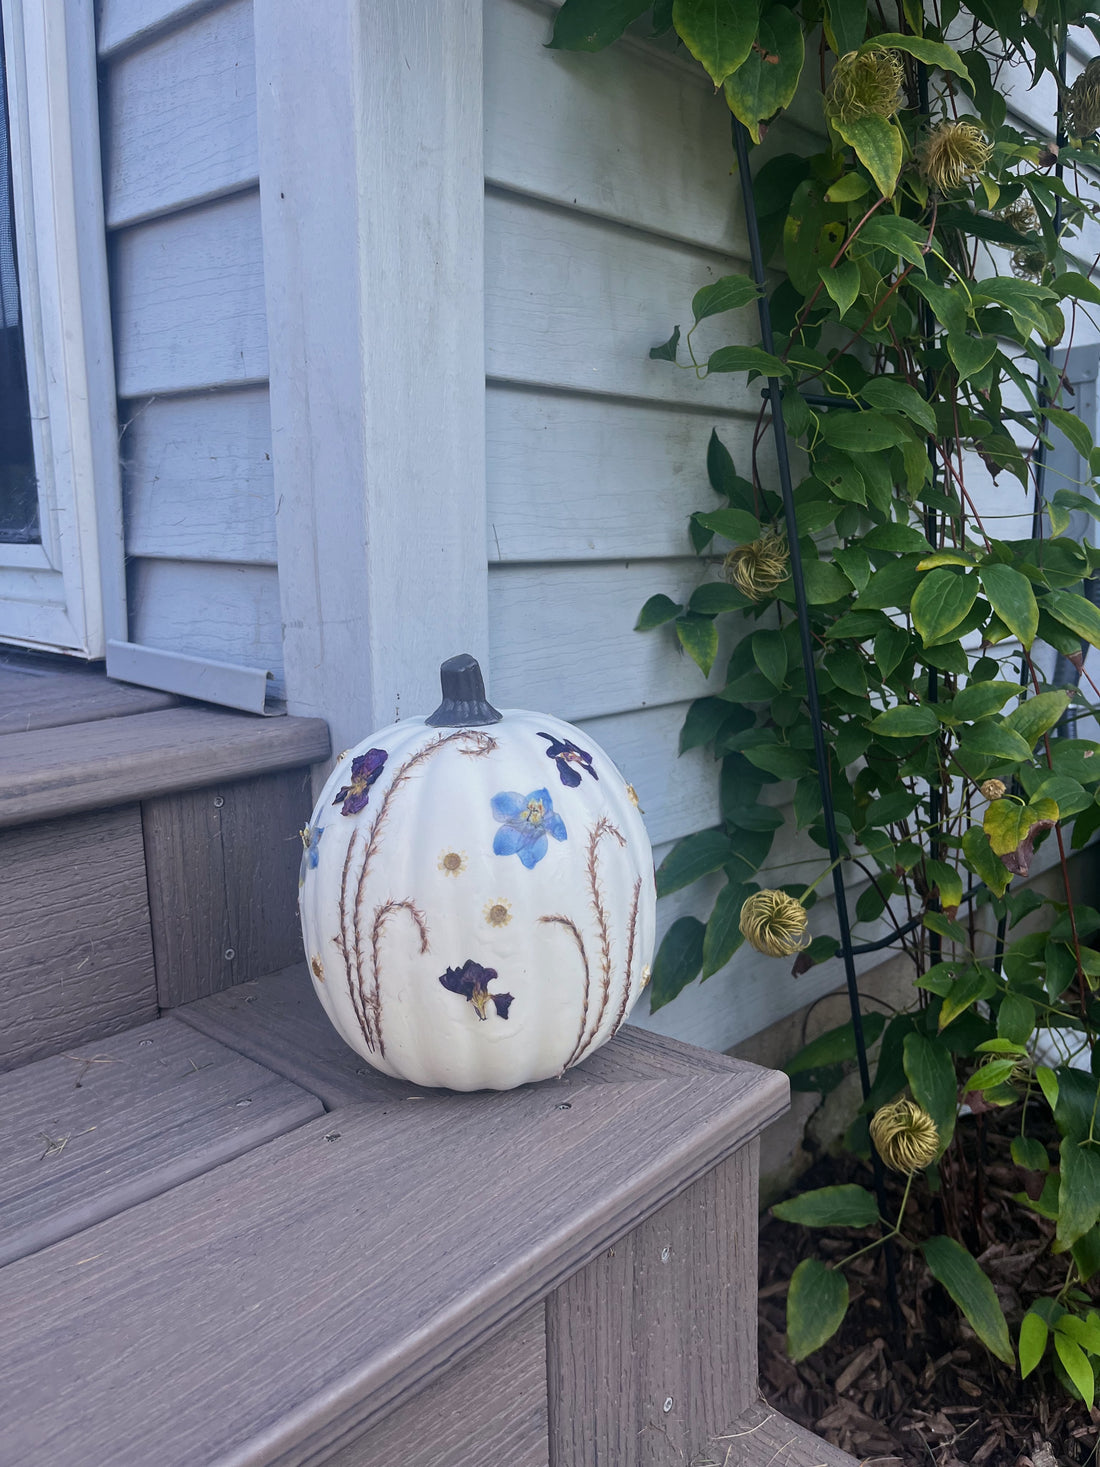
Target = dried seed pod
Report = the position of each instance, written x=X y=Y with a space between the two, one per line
x=1028 y=262
x=905 y=1136
x=1020 y=216
x=774 y=923
x=993 y=789
x=760 y=568
x=953 y=153
x=865 y=84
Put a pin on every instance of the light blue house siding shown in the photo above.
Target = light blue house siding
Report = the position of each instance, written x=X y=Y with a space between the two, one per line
x=608 y=202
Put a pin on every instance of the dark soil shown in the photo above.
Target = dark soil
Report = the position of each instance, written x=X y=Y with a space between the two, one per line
x=929 y=1394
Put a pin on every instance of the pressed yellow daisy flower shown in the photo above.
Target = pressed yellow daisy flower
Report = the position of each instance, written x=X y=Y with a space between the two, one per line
x=498 y=913
x=452 y=863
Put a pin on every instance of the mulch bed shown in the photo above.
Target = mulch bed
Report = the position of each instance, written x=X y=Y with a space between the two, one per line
x=929 y=1394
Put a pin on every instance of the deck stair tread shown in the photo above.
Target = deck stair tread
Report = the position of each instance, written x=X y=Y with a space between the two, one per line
x=36 y=693
x=269 y=1309
x=87 y=1134
x=57 y=771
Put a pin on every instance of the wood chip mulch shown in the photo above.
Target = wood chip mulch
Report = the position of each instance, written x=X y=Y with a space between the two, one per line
x=929 y=1394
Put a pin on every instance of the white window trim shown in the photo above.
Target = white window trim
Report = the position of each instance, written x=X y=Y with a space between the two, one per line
x=67 y=594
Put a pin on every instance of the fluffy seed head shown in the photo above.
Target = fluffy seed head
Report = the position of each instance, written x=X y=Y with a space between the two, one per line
x=1028 y=262
x=1083 y=102
x=993 y=789
x=760 y=568
x=1020 y=216
x=867 y=85
x=905 y=1136
x=953 y=153
x=774 y=923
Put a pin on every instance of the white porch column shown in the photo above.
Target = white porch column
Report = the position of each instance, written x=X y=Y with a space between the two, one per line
x=371 y=184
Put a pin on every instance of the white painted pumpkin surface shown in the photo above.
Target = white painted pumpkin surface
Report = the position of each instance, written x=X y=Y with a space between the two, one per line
x=478 y=904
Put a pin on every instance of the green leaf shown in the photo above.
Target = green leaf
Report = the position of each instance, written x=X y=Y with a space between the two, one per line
x=992 y=741
x=981 y=700
x=717 y=34
x=844 y=1206
x=971 y=354
x=769 y=651
x=1077 y=1366
x=736 y=525
x=891 y=645
x=907 y=721
x=975 y=985
x=723 y=935
x=1007 y=822
x=845 y=24
x=699 y=639
x=836 y=1046
x=1030 y=1153
x=953 y=1267
x=703 y=720
x=824 y=582
x=893 y=393
x=678 y=961
x=666 y=352
x=842 y=281
x=590 y=25
x=1033 y=1342
x=878 y=146
x=1075 y=285
x=1013 y=600
x=1037 y=716
x=746 y=359
x=1016 y=1018
x=817 y=1302
x=848 y=187
x=932 y=53
x=1075 y=612
x=1075 y=430
x=713 y=598
x=779 y=759
x=1086 y=1255
x=1078 y=1189
x=861 y=432
x=657 y=610
x=902 y=539
x=694 y=856
x=940 y=602
x=930 y=1071
x=899 y=236
x=767 y=79
x=1048 y=1084
x=727 y=294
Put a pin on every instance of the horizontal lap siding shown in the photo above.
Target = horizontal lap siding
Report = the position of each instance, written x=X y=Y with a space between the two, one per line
x=180 y=163
x=609 y=202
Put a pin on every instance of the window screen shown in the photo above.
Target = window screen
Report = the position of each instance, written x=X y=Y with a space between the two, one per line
x=18 y=486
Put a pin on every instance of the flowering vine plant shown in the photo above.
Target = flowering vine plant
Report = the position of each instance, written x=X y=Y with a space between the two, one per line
x=932 y=267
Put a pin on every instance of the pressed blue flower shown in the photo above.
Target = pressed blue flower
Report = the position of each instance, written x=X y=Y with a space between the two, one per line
x=364 y=771
x=525 y=823
x=311 y=839
x=570 y=759
x=472 y=981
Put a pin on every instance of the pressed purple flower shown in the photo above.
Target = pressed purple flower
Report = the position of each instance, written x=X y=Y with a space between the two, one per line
x=570 y=759
x=525 y=822
x=472 y=981
x=364 y=771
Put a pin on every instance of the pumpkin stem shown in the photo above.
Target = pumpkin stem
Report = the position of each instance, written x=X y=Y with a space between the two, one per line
x=464 y=703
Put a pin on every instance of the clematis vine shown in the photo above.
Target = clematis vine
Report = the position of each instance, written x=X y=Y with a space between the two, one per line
x=364 y=771
x=472 y=981
x=525 y=823
x=570 y=760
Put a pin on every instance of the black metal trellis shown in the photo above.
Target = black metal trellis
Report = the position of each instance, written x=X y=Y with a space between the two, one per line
x=773 y=393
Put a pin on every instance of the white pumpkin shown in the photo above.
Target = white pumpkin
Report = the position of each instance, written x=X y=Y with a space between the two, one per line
x=477 y=901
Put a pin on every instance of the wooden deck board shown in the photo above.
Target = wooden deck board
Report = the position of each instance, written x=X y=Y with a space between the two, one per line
x=87 y=1134
x=34 y=695
x=272 y=1310
x=76 y=955
x=86 y=766
x=761 y=1437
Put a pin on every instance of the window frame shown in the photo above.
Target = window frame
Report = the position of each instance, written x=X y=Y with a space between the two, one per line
x=66 y=593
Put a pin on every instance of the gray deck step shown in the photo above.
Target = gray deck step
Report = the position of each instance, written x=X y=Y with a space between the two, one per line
x=85 y=1135
x=36 y=692
x=274 y=1309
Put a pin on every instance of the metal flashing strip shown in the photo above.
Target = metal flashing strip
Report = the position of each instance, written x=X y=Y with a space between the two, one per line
x=224 y=683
